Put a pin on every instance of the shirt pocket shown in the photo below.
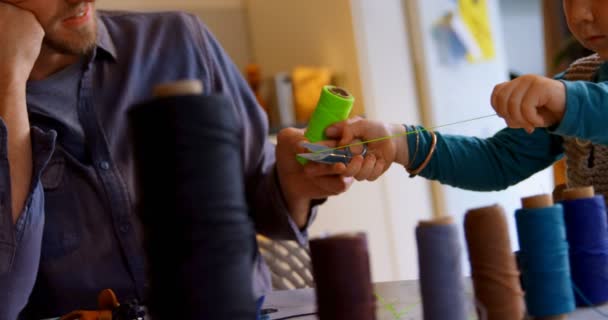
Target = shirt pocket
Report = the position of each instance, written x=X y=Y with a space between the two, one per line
x=62 y=230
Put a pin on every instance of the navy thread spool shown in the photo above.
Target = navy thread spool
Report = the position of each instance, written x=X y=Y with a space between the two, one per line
x=543 y=258
x=342 y=275
x=587 y=234
x=198 y=237
x=493 y=268
x=441 y=281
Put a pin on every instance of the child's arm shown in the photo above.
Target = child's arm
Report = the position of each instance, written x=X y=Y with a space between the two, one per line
x=530 y=102
x=508 y=157
x=568 y=108
x=586 y=111
x=491 y=164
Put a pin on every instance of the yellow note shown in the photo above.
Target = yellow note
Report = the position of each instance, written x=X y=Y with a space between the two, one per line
x=475 y=16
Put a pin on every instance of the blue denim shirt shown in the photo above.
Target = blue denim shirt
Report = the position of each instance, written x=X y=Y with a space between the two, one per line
x=80 y=232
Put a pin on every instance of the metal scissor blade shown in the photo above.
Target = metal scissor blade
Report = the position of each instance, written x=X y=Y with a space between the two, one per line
x=313 y=156
x=327 y=158
x=323 y=154
x=314 y=147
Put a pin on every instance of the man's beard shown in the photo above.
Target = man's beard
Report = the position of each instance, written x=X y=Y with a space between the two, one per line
x=80 y=44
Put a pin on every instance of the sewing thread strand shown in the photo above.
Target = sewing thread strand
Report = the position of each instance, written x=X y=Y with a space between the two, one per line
x=405 y=134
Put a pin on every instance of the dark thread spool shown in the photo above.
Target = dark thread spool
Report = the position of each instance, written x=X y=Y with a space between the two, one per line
x=577 y=193
x=343 y=279
x=198 y=236
x=587 y=234
x=493 y=267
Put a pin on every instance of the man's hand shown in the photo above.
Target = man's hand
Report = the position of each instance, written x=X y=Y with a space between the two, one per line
x=21 y=41
x=301 y=184
x=530 y=101
x=380 y=154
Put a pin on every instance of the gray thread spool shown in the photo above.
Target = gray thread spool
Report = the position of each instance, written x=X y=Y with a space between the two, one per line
x=441 y=281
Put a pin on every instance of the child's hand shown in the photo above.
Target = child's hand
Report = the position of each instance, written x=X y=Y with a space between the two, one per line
x=380 y=154
x=530 y=101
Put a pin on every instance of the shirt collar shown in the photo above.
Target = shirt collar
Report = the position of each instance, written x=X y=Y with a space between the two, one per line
x=104 y=40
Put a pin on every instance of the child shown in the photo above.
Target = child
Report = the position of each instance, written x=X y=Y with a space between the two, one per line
x=546 y=119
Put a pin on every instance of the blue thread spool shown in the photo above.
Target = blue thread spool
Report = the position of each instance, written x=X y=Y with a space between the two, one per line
x=543 y=257
x=441 y=281
x=587 y=234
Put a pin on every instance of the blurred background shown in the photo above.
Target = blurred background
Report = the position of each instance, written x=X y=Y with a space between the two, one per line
x=405 y=61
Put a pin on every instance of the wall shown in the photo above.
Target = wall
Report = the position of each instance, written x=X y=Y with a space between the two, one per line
x=227 y=19
x=524 y=35
x=288 y=33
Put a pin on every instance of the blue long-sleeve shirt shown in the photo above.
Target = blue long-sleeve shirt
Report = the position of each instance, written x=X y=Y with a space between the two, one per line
x=80 y=232
x=512 y=155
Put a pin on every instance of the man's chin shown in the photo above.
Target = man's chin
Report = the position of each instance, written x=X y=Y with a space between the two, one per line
x=71 y=48
x=78 y=42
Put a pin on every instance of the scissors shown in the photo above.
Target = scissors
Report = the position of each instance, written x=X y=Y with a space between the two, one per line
x=327 y=155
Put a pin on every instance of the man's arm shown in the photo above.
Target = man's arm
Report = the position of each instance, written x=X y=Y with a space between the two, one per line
x=14 y=113
x=21 y=194
x=21 y=41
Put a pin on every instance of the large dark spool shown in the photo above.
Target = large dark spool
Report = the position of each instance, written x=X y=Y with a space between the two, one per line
x=198 y=236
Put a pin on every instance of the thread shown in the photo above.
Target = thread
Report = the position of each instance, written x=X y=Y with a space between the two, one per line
x=334 y=106
x=198 y=237
x=587 y=235
x=441 y=281
x=543 y=259
x=359 y=143
x=343 y=278
x=390 y=307
x=493 y=267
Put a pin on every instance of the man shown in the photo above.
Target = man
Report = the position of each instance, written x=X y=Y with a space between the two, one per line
x=68 y=200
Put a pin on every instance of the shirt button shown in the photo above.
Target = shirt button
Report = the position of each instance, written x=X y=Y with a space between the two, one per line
x=124 y=228
x=104 y=165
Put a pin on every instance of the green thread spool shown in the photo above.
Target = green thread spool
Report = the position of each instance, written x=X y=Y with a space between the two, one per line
x=334 y=106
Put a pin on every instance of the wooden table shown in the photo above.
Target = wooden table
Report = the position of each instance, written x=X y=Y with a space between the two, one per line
x=398 y=300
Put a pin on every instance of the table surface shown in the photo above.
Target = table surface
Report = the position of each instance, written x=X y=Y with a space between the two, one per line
x=399 y=300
